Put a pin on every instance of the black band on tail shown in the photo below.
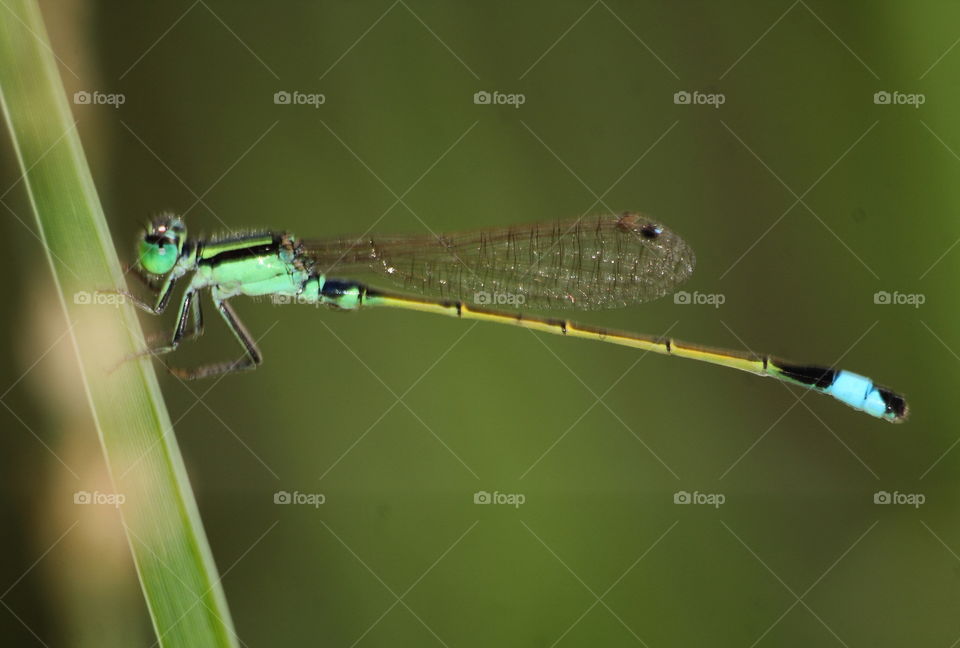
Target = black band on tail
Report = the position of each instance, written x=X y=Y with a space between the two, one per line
x=821 y=377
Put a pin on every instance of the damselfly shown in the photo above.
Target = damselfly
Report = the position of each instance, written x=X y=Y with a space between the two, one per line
x=605 y=261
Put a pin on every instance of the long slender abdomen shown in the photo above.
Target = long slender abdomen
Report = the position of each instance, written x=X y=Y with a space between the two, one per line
x=847 y=387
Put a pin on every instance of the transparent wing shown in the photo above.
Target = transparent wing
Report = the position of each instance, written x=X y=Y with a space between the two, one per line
x=605 y=261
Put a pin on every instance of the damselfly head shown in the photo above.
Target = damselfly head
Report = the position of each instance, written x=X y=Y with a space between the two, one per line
x=160 y=244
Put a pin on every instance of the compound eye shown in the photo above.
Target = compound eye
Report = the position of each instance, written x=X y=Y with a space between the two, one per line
x=158 y=254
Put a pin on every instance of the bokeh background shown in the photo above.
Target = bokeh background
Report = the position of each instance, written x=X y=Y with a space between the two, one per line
x=802 y=196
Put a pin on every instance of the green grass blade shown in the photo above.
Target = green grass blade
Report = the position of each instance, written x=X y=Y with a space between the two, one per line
x=171 y=554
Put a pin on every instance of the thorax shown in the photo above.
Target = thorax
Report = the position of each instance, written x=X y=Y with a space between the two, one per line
x=253 y=265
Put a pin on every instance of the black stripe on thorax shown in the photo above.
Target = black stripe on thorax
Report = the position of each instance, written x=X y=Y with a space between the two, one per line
x=241 y=253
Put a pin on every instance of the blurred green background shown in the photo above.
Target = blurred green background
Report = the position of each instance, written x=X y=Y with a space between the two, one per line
x=398 y=419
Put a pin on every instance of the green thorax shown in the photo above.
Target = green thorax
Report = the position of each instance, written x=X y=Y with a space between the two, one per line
x=257 y=264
